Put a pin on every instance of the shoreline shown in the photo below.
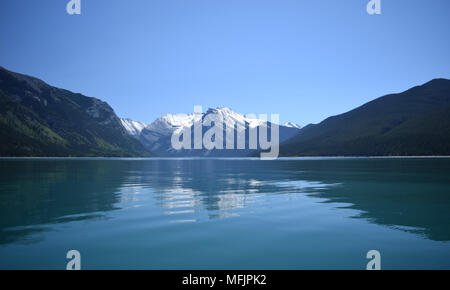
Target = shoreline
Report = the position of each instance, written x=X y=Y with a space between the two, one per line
x=230 y=158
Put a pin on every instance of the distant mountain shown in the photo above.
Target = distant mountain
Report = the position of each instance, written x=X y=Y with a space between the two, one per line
x=292 y=125
x=37 y=119
x=415 y=122
x=156 y=137
x=133 y=127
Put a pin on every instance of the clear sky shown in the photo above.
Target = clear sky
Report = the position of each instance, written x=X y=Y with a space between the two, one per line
x=303 y=59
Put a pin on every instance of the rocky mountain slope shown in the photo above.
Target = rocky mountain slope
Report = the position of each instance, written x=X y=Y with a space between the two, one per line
x=37 y=119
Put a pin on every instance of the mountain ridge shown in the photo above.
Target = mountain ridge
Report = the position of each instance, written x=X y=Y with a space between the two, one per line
x=37 y=119
x=156 y=137
x=382 y=127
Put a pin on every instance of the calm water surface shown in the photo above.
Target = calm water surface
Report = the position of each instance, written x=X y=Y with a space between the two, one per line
x=225 y=214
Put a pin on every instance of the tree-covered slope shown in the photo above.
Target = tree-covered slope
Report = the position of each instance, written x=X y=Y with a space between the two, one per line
x=415 y=122
x=37 y=119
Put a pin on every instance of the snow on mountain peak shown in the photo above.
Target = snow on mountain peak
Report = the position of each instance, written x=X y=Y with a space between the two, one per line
x=132 y=127
x=168 y=123
x=292 y=125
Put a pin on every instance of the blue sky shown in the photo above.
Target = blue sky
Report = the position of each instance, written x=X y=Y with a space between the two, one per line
x=303 y=59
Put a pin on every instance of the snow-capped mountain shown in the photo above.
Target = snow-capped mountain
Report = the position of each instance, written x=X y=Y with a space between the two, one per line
x=169 y=123
x=156 y=137
x=292 y=125
x=133 y=128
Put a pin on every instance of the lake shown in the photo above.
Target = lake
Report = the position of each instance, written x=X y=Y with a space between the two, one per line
x=305 y=213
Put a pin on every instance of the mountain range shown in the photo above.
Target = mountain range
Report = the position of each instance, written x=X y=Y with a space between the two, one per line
x=156 y=137
x=37 y=119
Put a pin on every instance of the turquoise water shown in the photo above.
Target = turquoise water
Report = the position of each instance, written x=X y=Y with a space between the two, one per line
x=225 y=214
